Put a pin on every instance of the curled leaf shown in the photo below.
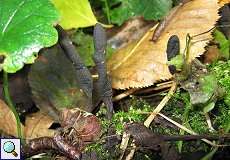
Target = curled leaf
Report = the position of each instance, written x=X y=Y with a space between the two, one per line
x=85 y=124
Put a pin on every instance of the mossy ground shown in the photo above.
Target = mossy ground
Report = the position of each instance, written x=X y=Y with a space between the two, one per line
x=179 y=109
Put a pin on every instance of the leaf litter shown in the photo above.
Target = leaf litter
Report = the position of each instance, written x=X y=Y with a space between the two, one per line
x=143 y=63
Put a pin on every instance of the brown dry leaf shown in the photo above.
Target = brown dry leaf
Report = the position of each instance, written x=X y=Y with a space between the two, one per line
x=212 y=54
x=143 y=63
x=37 y=125
x=222 y=2
x=7 y=120
x=132 y=30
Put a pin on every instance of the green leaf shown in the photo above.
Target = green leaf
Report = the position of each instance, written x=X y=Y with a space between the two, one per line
x=207 y=85
x=222 y=72
x=75 y=13
x=53 y=83
x=153 y=9
x=177 y=61
x=25 y=28
x=149 y=9
x=224 y=43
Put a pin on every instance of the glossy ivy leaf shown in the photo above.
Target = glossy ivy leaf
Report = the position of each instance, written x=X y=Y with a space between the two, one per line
x=224 y=43
x=149 y=9
x=25 y=28
x=75 y=13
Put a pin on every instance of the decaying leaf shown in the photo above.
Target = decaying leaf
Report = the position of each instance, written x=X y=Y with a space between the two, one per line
x=53 y=83
x=7 y=120
x=143 y=63
x=37 y=125
x=224 y=1
x=86 y=124
x=212 y=54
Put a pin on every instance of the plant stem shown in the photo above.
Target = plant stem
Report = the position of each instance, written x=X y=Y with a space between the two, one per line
x=215 y=149
x=187 y=65
x=10 y=103
x=210 y=154
x=107 y=11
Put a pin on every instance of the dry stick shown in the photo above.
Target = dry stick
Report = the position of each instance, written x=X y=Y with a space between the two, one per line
x=131 y=153
x=148 y=121
x=125 y=94
x=124 y=144
x=158 y=87
x=209 y=122
x=164 y=83
x=189 y=131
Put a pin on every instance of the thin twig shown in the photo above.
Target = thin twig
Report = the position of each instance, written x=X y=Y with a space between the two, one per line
x=208 y=120
x=124 y=144
x=161 y=86
x=189 y=131
x=124 y=94
x=164 y=83
x=158 y=87
x=131 y=153
x=149 y=120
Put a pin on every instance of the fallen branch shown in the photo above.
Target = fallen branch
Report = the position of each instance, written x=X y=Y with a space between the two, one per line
x=57 y=144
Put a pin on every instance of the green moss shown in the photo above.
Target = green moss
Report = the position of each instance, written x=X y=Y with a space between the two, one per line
x=180 y=109
x=136 y=113
x=222 y=120
x=197 y=122
x=222 y=72
x=102 y=154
